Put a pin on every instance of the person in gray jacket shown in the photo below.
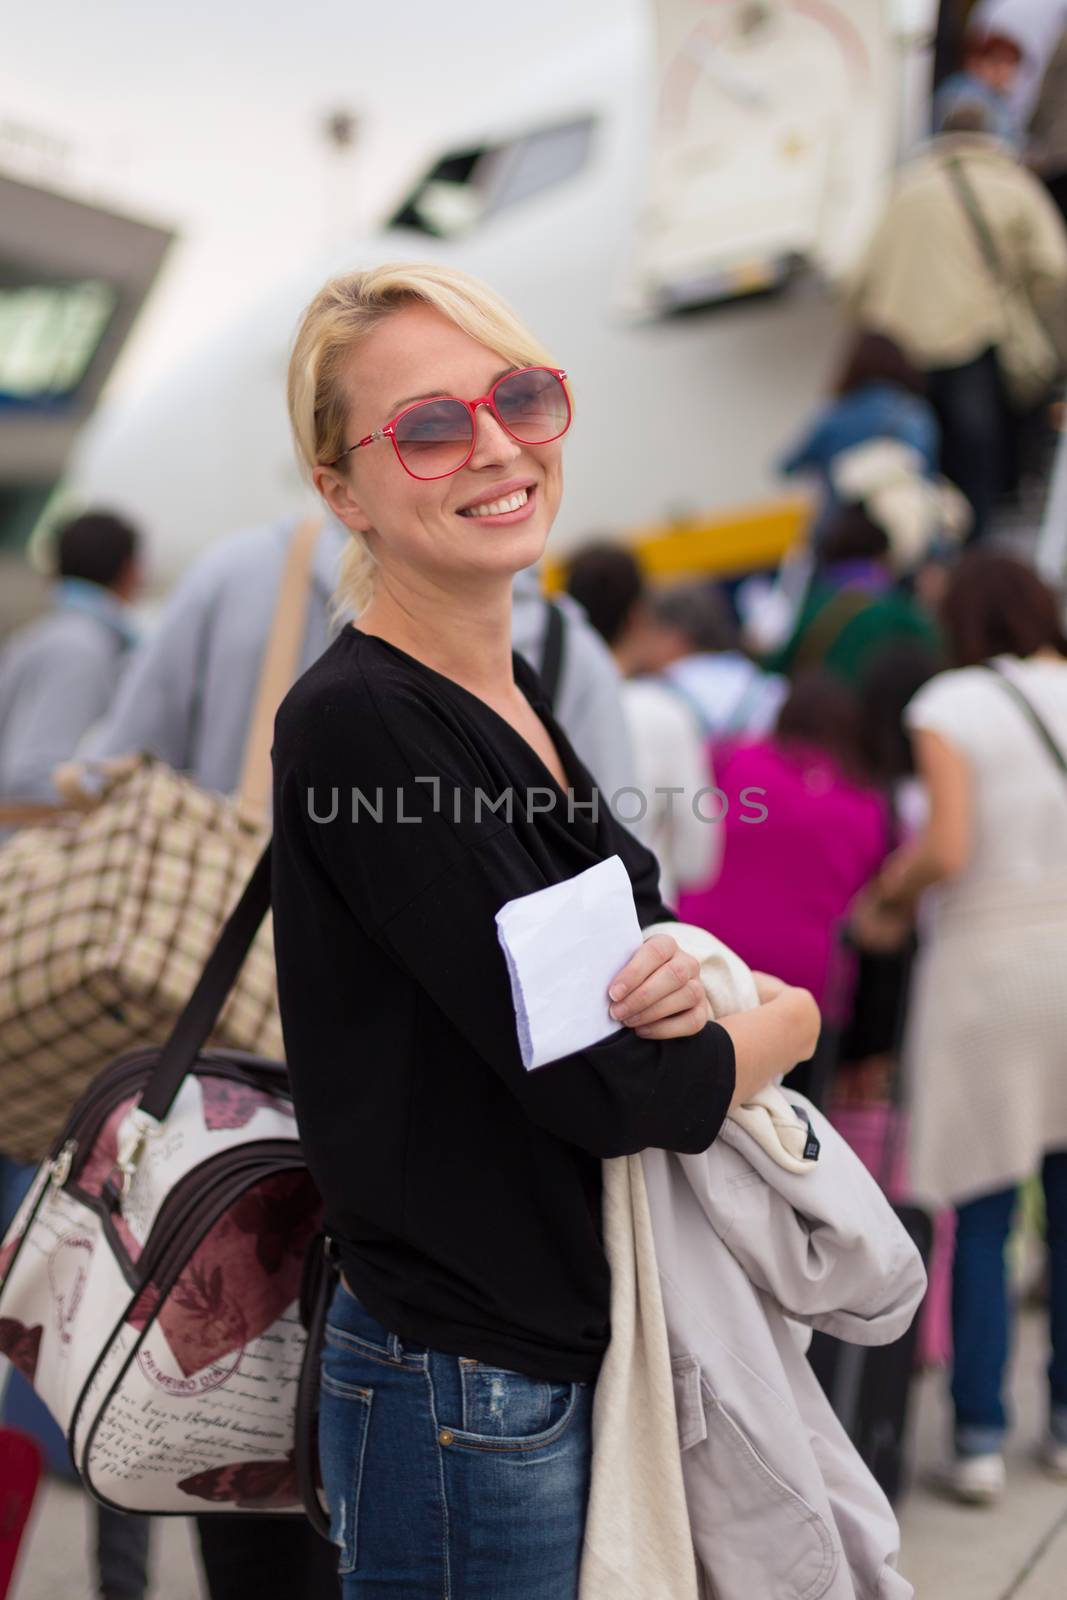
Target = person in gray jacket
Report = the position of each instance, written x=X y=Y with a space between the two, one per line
x=188 y=692
x=58 y=674
x=187 y=697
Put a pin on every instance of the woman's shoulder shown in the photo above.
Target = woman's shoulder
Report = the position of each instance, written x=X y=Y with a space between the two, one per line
x=960 y=697
x=359 y=699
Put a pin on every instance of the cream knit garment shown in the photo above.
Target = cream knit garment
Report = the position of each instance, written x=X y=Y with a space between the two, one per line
x=637 y=1540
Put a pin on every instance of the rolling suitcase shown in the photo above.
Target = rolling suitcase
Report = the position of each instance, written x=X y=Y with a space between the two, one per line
x=869 y=1388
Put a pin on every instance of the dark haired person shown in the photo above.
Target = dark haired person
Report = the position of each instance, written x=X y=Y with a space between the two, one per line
x=58 y=674
x=991 y=64
x=696 y=644
x=854 y=608
x=878 y=394
x=985 y=1040
x=671 y=760
x=804 y=831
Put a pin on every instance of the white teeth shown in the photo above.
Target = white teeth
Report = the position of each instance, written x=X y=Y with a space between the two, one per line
x=497 y=508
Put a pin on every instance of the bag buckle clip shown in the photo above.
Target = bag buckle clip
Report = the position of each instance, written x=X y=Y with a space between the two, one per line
x=136 y=1129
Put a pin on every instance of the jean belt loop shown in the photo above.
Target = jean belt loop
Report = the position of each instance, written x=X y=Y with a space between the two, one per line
x=396 y=1349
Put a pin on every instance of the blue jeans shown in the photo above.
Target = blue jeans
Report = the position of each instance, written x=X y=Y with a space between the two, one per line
x=981 y=1318
x=448 y=1479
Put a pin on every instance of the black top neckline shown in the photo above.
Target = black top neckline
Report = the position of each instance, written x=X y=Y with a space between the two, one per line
x=527 y=681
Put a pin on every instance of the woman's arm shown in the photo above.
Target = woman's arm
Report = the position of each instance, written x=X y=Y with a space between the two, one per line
x=782 y=1031
x=943 y=848
x=882 y=914
x=768 y=1041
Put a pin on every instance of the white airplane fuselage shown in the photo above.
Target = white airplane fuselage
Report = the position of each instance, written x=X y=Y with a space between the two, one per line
x=675 y=416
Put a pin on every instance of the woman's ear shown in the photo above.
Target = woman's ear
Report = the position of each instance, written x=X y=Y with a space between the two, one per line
x=338 y=494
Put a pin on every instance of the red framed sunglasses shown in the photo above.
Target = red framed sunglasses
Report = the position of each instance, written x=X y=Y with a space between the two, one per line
x=435 y=438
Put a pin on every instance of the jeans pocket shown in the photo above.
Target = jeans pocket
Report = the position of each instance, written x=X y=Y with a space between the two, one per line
x=350 y=1325
x=507 y=1410
x=344 y=1419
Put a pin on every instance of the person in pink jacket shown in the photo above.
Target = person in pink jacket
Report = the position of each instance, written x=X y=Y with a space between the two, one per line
x=804 y=831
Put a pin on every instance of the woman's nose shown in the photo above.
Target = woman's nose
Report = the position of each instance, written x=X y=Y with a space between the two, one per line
x=492 y=443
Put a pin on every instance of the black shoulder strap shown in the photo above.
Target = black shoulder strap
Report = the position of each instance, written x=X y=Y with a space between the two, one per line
x=1037 y=722
x=201 y=1012
x=551 y=669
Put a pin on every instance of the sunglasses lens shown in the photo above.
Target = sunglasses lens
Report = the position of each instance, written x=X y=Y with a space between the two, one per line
x=434 y=439
x=533 y=405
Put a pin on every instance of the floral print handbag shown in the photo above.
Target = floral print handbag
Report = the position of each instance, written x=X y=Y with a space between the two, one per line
x=156 y=1282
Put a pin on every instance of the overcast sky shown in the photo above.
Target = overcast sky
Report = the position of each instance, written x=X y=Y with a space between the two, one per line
x=207 y=114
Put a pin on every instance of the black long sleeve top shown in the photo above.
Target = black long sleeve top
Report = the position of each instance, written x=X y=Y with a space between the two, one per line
x=463 y=1191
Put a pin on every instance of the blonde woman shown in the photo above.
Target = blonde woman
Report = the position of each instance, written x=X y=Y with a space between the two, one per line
x=420 y=783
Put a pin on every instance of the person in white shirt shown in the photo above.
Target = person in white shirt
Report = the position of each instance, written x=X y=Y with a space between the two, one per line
x=984 y=1045
x=673 y=764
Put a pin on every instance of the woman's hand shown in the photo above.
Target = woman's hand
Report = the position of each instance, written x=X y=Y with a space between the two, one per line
x=878 y=927
x=658 y=993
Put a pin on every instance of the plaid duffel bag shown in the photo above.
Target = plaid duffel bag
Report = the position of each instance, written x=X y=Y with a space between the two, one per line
x=109 y=911
x=106 y=920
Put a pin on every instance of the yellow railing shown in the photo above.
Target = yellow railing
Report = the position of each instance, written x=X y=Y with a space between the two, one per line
x=725 y=546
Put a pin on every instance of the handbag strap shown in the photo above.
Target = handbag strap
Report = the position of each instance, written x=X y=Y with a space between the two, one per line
x=1030 y=711
x=959 y=180
x=29 y=813
x=279 y=667
x=551 y=669
x=201 y=1012
x=320 y=1275
x=827 y=626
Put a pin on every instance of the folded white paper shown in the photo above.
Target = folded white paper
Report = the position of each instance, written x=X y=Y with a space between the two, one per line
x=564 y=945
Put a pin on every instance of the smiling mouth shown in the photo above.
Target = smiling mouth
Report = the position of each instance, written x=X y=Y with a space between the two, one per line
x=499 y=508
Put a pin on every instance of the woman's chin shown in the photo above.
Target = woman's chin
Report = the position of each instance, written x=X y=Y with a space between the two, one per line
x=510 y=550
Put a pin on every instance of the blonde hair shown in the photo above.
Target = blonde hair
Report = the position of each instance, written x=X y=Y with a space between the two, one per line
x=343 y=312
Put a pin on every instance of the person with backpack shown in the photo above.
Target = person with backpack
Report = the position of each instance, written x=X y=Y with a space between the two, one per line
x=673 y=763
x=855 y=607
x=967 y=272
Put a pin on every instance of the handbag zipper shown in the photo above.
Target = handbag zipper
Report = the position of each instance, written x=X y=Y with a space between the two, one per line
x=168 y=1233
x=85 y=1122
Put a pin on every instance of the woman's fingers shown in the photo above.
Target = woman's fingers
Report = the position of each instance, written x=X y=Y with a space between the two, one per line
x=675 y=1003
x=671 y=977
x=652 y=954
x=680 y=1026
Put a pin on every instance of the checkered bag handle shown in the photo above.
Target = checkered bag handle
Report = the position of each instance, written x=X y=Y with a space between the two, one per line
x=81 y=785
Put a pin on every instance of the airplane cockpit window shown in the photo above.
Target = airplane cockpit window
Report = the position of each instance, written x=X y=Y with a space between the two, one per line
x=467 y=186
x=49 y=333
